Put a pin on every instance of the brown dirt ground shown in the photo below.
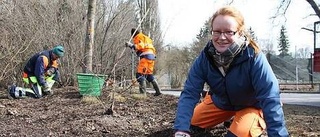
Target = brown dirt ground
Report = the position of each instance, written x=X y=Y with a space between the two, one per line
x=66 y=113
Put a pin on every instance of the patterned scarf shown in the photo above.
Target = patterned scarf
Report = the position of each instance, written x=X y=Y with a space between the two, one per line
x=224 y=59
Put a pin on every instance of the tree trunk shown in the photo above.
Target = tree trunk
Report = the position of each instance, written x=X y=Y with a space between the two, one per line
x=89 y=36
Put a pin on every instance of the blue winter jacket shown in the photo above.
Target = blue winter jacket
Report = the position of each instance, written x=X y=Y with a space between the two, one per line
x=249 y=82
x=36 y=66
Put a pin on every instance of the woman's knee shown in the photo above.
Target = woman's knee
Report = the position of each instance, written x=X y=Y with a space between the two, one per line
x=248 y=122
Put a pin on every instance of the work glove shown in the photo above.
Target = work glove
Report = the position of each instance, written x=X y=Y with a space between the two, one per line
x=181 y=134
x=56 y=77
x=50 y=71
x=46 y=89
x=128 y=44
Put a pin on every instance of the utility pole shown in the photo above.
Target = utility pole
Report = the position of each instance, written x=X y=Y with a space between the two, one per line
x=310 y=70
x=297 y=76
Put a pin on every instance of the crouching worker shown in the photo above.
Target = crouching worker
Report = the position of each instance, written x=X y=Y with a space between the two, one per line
x=40 y=73
x=241 y=83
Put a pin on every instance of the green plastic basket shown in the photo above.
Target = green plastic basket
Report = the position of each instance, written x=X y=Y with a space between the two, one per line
x=90 y=84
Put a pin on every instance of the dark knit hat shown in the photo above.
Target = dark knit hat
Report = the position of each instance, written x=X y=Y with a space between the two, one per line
x=58 y=50
x=134 y=32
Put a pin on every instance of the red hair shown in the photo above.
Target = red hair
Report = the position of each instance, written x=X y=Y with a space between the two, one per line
x=233 y=12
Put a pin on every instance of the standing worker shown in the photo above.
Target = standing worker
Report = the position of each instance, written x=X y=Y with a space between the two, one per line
x=147 y=55
x=40 y=73
x=242 y=84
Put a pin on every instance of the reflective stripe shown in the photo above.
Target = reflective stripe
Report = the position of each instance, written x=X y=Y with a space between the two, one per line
x=146 y=44
x=146 y=52
x=19 y=92
x=34 y=79
x=16 y=93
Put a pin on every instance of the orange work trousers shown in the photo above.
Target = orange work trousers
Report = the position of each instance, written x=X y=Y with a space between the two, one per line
x=145 y=66
x=247 y=122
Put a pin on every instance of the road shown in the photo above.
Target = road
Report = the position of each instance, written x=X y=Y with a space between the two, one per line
x=311 y=99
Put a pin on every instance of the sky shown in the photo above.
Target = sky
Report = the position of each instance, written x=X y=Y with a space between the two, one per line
x=181 y=20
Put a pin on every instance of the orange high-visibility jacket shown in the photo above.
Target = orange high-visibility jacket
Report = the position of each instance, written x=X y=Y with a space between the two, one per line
x=143 y=45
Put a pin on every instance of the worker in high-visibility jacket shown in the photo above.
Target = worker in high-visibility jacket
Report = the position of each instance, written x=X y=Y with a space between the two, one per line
x=40 y=73
x=146 y=52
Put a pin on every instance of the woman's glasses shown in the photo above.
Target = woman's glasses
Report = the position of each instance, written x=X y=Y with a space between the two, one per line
x=226 y=33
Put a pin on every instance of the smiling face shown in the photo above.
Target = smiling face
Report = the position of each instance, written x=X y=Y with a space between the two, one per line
x=224 y=32
x=227 y=26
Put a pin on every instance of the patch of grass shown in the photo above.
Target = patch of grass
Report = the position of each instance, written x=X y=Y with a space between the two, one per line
x=117 y=97
x=139 y=96
x=90 y=100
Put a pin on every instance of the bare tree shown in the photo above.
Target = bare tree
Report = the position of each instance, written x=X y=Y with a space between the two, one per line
x=285 y=4
x=315 y=7
x=266 y=46
x=304 y=53
x=31 y=26
x=89 y=36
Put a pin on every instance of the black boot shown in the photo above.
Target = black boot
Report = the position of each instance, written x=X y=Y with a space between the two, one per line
x=156 y=88
x=197 y=130
x=228 y=123
x=11 y=92
x=142 y=87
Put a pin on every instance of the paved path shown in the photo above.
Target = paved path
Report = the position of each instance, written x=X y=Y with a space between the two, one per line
x=311 y=99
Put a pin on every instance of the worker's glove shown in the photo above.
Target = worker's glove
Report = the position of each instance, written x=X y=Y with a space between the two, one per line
x=56 y=77
x=181 y=134
x=46 y=89
x=50 y=71
x=128 y=44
